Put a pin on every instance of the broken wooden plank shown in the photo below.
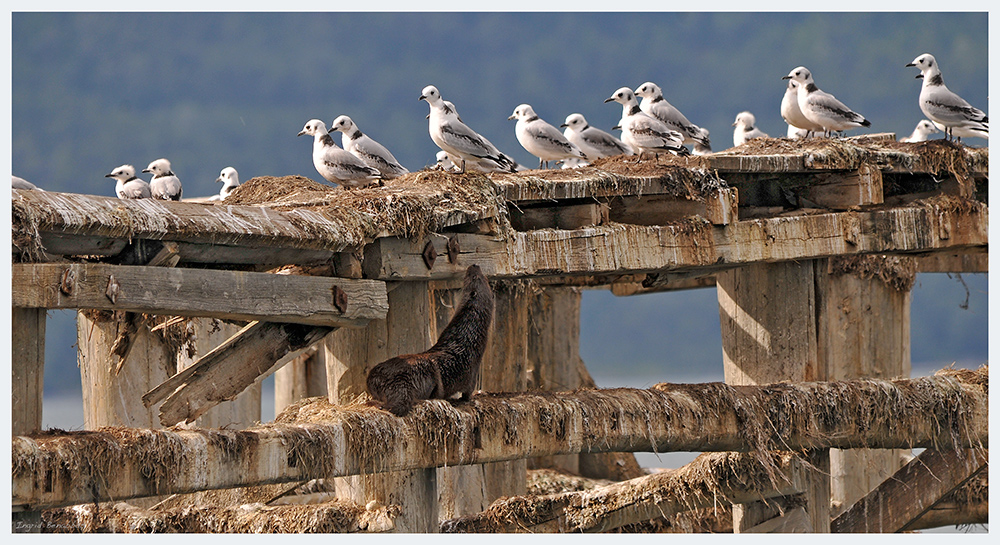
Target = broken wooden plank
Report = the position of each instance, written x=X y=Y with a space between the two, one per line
x=249 y=356
x=933 y=225
x=315 y=439
x=912 y=491
x=710 y=479
x=227 y=295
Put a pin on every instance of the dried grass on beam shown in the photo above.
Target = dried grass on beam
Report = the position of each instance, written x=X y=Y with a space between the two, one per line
x=335 y=516
x=711 y=480
x=313 y=439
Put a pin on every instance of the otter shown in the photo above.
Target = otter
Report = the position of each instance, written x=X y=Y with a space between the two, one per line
x=449 y=367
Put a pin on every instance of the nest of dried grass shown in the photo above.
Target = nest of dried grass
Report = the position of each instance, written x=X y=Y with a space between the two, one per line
x=897 y=272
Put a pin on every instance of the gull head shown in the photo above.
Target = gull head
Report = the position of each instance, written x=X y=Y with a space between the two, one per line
x=792 y=85
x=523 y=112
x=800 y=75
x=342 y=123
x=430 y=94
x=744 y=119
x=926 y=127
x=575 y=121
x=648 y=90
x=158 y=167
x=123 y=173
x=229 y=177
x=926 y=64
x=623 y=96
x=313 y=127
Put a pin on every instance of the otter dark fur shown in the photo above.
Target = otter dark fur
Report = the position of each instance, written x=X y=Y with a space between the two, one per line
x=450 y=366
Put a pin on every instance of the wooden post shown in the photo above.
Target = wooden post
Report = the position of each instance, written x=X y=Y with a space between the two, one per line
x=768 y=318
x=239 y=413
x=554 y=353
x=27 y=369
x=465 y=490
x=116 y=400
x=863 y=331
x=407 y=328
x=303 y=377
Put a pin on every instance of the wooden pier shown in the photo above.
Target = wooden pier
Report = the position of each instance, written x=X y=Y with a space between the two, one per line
x=185 y=307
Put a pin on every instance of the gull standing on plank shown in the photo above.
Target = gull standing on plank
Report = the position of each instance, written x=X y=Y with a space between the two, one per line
x=460 y=141
x=643 y=132
x=920 y=134
x=17 y=182
x=593 y=142
x=746 y=128
x=655 y=105
x=792 y=115
x=127 y=185
x=368 y=150
x=945 y=108
x=542 y=139
x=165 y=185
x=334 y=164
x=230 y=180
x=823 y=108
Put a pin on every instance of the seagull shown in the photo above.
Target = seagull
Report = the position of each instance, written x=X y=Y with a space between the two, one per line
x=165 y=185
x=443 y=161
x=593 y=142
x=333 y=163
x=699 y=148
x=542 y=139
x=792 y=115
x=128 y=186
x=230 y=180
x=363 y=147
x=923 y=131
x=461 y=142
x=946 y=109
x=822 y=108
x=795 y=133
x=17 y=182
x=642 y=131
x=655 y=105
x=746 y=128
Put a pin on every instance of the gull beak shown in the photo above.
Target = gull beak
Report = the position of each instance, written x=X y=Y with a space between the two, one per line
x=300 y=134
x=511 y=117
x=422 y=97
x=920 y=76
x=786 y=77
x=331 y=131
x=109 y=175
x=564 y=125
x=609 y=99
x=616 y=127
x=910 y=64
x=146 y=170
x=734 y=123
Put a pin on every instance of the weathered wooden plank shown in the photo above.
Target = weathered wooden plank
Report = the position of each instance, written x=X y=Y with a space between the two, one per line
x=845 y=191
x=708 y=480
x=912 y=491
x=27 y=366
x=249 y=356
x=322 y=440
x=228 y=295
x=951 y=262
x=573 y=216
x=937 y=224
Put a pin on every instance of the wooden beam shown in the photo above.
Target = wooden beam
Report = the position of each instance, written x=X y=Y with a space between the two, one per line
x=935 y=225
x=573 y=216
x=710 y=479
x=27 y=368
x=322 y=440
x=226 y=295
x=955 y=262
x=249 y=356
x=903 y=498
x=719 y=208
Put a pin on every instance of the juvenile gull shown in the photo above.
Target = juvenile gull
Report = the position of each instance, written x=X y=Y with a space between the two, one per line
x=945 y=108
x=822 y=108
x=17 y=182
x=792 y=115
x=230 y=180
x=643 y=132
x=655 y=105
x=443 y=161
x=542 y=139
x=127 y=185
x=795 y=133
x=333 y=163
x=165 y=185
x=593 y=142
x=368 y=150
x=460 y=141
x=746 y=128
x=920 y=134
